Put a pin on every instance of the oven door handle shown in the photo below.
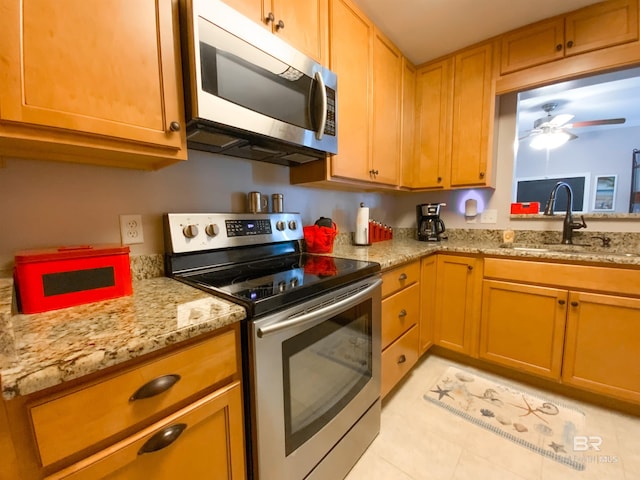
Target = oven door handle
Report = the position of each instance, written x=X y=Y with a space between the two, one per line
x=326 y=311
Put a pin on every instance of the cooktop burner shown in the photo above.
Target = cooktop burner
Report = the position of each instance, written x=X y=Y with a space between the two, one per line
x=264 y=269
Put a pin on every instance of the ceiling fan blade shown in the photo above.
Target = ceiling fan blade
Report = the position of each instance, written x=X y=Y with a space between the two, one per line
x=560 y=120
x=591 y=123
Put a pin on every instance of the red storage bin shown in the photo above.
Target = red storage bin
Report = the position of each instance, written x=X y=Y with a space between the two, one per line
x=63 y=277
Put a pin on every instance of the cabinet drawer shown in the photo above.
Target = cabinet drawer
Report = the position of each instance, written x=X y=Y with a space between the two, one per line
x=203 y=440
x=399 y=278
x=623 y=281
x=399 y=358
x=400 y=312
x=67 y=424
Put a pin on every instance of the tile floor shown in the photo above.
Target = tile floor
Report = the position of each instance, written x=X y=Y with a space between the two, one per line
x=422 y=441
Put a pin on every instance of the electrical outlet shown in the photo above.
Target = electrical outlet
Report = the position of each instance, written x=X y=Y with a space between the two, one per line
x=131 y=229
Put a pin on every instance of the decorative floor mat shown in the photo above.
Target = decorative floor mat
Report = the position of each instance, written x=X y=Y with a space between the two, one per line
x=543 y=426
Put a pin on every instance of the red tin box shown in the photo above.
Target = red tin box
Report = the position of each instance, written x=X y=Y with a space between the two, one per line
x=525 y=207
x=67 y=276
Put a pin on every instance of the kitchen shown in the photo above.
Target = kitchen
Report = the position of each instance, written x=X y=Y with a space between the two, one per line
x=51 y=203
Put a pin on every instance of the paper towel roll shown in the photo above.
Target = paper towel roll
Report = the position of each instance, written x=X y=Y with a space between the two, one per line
x=361 y=236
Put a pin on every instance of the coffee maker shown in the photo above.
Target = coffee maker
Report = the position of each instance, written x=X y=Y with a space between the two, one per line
x=430 y=226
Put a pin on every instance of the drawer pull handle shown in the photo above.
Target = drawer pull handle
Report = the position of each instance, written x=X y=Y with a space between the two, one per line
x=403 y=313
x=155 y=387
x=163 y=438
x=401 y=359
x=403 y=277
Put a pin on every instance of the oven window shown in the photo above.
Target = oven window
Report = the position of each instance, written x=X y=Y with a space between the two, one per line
x=324 y=368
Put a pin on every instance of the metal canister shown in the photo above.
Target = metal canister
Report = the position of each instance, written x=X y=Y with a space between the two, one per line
x=277 y=202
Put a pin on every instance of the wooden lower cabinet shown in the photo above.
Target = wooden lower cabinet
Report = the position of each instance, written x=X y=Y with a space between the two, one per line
x=203 y=440
x=400 y=323
x=602 y=345
x=522 y=326
x=428 y=282
x=458 y=300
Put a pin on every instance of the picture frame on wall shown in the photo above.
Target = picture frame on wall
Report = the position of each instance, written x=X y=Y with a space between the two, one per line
x=604 y=198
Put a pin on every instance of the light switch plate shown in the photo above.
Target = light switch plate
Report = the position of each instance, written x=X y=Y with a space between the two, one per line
x=489 y=216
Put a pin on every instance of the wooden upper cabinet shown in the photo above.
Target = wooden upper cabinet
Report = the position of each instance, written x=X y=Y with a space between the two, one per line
x=387 y=110
x=472 y=122
x=434 y=104
x=351 y=33
x=408 y=124
x=301 y=24
x=591 y=28
x=106 y=69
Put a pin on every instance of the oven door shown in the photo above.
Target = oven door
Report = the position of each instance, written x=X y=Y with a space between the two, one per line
x=315 y=373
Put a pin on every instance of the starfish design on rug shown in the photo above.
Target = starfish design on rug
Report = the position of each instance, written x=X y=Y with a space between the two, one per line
x=557 y=447
x=442 y=393
x=547 y=408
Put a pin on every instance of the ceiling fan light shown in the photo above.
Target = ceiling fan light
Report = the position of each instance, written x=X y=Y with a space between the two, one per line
x=550 y=140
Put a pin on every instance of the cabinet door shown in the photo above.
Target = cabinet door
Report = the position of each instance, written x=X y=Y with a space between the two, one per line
x=387 y=109
x=473 y=107
x=434 y=103
x=602 y=345
x=210 y=446
x=101 y=68
x=408 y=142
x=533 y=45
x=458 y=303
x=305 y=25
x=602 y=25
x=428 y=282
x=522 y=326
x=351 y=34
x=252 y=9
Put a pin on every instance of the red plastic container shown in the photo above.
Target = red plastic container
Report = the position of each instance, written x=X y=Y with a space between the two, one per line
x=525 y=207
x=63 y=277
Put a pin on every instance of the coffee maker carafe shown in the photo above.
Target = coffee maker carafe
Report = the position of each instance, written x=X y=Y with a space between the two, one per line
x=430 y=226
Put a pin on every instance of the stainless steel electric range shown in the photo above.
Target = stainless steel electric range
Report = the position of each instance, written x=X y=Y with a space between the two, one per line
x=311 y=342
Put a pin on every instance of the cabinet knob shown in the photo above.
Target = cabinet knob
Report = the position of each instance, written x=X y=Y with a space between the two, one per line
x=279 y=25
x=574 y=304
x=269 y=18
x=481 y=174
x=174 y=126
x=561 y=302
x=402 y=277
x=401 y=359
x=155 y=387
x=439 y=179
x=469 y=267
x=570 y=44
x=402 y=313
x=163 y=438
x=559 y=47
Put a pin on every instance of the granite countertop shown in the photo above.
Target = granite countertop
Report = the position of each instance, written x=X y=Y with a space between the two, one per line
x=42 y=350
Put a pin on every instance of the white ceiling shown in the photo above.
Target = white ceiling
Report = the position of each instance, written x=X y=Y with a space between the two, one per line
x=426 y=29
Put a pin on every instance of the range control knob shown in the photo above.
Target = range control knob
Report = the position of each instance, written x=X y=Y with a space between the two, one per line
x=212 y=229
x=293 y=225
x=280 y=225
x=190 y=231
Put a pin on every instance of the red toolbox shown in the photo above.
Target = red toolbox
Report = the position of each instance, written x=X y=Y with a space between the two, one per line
x=63 y=277
x=525 y=207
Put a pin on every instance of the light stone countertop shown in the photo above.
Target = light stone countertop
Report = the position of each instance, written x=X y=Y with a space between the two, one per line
x=42 y=350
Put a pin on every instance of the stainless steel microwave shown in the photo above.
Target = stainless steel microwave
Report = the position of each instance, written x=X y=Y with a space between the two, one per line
x=249 y=94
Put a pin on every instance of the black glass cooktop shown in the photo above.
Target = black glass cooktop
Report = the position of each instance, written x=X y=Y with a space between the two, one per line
x=268 y=285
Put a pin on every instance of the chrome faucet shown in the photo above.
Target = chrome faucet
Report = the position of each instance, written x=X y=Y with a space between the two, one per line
x=568 y=226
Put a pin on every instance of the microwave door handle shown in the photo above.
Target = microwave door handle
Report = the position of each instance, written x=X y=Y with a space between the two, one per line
x=330 y=310
x=323 y=109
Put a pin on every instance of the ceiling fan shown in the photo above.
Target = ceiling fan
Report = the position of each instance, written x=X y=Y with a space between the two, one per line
x=551 y=131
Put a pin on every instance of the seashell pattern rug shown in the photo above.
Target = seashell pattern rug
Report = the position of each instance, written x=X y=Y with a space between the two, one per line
x=543 y=426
